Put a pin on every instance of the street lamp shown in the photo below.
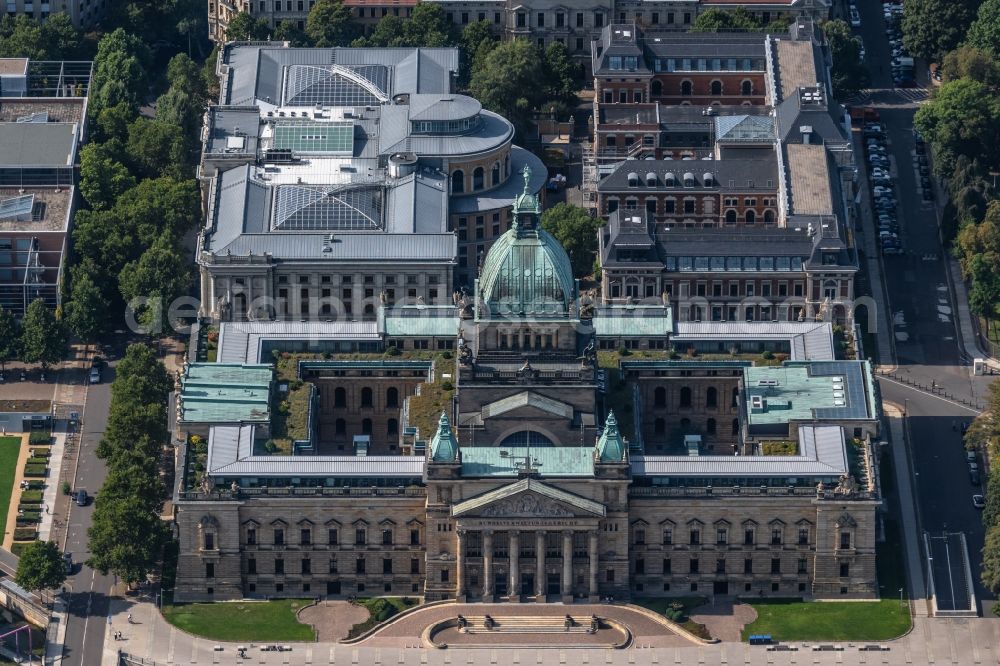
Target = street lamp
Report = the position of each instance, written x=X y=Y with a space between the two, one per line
x=900 y=597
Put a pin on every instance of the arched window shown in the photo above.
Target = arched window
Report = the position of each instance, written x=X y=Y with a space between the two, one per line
x=478 y=178
x=751 y=217
x=366 y=397
x=660 y=397
x=506 y=165
x=710 y=426
x=457 y=182
x=768 y=216
x=369 y=309
x=716 y=87
x=711 y=397
x=746 y=88
x=340 y=427
x=392 y=427
x=495 y=175
x=657 y=88
x=730 y=216
x=392 y=397
x=660 y=426
x=366 y=427
x=736 y=426
x=686 y=87
x=686 y=396
x=340 y=397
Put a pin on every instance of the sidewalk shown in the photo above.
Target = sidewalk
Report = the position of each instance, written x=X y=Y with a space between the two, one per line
x=907 y=510
x=967 y=338
x=51 y=493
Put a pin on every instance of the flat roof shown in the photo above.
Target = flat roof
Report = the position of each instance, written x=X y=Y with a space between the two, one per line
x=810 y=179
x=242 y=342
x=834 y=390
x=810 y=341
x=796 y=65
x=314 y=137
x=50 y=209
x=13 y=66
x=552 y=461
x=37 y=144
x=822 y=453
x=225 y=393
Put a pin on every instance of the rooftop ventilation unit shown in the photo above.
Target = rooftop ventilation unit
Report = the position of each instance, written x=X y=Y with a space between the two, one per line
x=756 y=404
x=767 y=382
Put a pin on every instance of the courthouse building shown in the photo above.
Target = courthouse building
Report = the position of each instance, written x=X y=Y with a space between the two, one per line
x=521 y=462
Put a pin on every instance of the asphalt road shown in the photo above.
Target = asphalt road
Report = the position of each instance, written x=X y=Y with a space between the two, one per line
x=88 y=606
x=923 y=320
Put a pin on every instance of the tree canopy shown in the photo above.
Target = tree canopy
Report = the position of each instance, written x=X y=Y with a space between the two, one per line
x=55 y=38
x=506 y=81
x=735 y=20
x=932 y=28
x=43 y=337
x=102 y=178
x=40 y=567
x=10 y=337
x=330 y=23
x=87 y=308
x=119 y=71
x=848 y=74
x=576 y=230
x=962 y=118
x=984 y=33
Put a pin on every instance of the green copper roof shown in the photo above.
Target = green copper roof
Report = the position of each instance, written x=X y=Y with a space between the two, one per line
x=225 y=393
x=551 y=461
x=611 y=447
x=527 y=271
x=444 y=446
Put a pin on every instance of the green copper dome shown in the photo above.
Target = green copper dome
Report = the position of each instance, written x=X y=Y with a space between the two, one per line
x=527 y=271
x=611 y=447
x=444 y=446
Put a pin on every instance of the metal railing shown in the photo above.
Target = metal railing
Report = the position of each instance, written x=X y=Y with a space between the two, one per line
x=298 y=491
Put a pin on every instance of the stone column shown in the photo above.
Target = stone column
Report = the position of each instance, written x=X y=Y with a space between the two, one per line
x=460 y=567
x=593 y=566
x=540 y=565
x=567 y=572
x=514 y=590
x=487 y=565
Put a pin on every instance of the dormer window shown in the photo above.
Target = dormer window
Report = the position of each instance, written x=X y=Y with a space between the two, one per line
x=689 y=180
x=670 y=180
x=633 y=180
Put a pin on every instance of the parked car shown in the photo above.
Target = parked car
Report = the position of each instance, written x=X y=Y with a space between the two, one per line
x=970 y=456
x=80 y=497
x=68 y=562
x=855 y=19
x=978 y=501
x=95 y=375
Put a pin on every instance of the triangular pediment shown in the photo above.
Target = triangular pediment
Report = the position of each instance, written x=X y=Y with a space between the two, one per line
x=527 y=399
x=529 y=498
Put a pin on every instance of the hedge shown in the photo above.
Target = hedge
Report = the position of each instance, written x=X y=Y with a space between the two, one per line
x=31 y=497
x=29 y=510
x=40 y=437
x=25 y=534
x=35 y=470
x=40 y=453
x=18 y=546
x=35 y=460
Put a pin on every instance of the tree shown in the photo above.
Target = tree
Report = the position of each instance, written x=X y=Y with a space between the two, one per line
x=330 y=23
x=428 y=25
x=62 y=39
x=991 y=512
x=243 y=27
x=184 y=74
x=87 y=308
x=726 y=20
x=119 y=72
x=962 y=118
x=125 y=538
x=991 y=559
x=21 y=37
x=931 y=28
x=159 y=205
x=143 y=377
x=287 y=31
x=474 y=35
x=576 y=230
x=43 y=339
x=182 y=108
x=102 y=179
x=984 y=431
x=153 y=282
x=973 y=63
x=984 y=33
x=158 y=148
x=848 y=74
x=40 y=567
x=111 y=124
x=506 y=81
x=10 y=337
x=561 y=74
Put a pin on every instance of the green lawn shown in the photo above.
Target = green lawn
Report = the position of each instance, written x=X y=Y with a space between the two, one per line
x=10 y=447
x=259 y=621
x=795 y=620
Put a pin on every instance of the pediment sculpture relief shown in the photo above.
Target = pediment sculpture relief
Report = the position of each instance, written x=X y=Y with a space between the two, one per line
x=527 y=506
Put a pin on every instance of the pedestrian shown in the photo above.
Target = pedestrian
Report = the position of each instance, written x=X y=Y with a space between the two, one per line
x=130 y=618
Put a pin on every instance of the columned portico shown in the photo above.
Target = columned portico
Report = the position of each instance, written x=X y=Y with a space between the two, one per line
x=539 y=565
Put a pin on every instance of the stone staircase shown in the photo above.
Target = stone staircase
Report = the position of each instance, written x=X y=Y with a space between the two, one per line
x=528 y=624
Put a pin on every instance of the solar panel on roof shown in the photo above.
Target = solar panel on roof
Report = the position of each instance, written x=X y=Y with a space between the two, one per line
x=17 y=208
x=309 y=137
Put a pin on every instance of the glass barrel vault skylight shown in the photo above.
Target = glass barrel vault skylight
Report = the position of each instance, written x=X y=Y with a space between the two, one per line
x=319 y=208
x=335 y=85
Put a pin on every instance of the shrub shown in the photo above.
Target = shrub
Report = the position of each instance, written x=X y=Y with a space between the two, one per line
x=35 y=460
x=40 y=453
x=25 y=533
x=623 y=351
x=66 y=488
x=31 y=497
x=40 y=437
x=692 y=352
x=35 y=470
x=767 y=355
x=392 y=350
x=446 y=355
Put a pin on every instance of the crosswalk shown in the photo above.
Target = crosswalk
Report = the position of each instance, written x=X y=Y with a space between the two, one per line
x=887 y=96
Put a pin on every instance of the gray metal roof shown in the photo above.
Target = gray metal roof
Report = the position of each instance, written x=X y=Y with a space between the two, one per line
x=230 y=454
x=443 y=107
x=241 y=342
x=37 y=144
x=810 y=341
x=753 y=169
x=505 y=193
x=822 y=454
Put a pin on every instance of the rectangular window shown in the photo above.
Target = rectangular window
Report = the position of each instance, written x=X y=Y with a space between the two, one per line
x=720 y=565
x=541 y=19
x=386 y=537
x=279 y=566
x=748 y=566
x=721 y=537
x=209 y=569
x=279 y=536
x=776 y=565
x=666 y=565
x=640 y=567
x=209 y=541
x=579 y=19
x=387 y=565
x=694 y=565
x=845 y=540
x=668 y=536
x=444 y=575
x=640 y=537
x=306 y=566
x=803 y=536
x=414 y=565
x=695 y=537
x=251 y=567
x=689 y=207
x=776 y=536
x=332 y=536
x=748 y=537
x=414 y=537
x=305 y=537
x=333 y=565
x=803 y=566
x=360 y=537
x=359 y=565
x=845 y=569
